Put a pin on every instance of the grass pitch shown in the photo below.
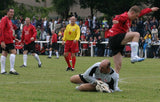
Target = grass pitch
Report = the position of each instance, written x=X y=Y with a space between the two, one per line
x=140 y=82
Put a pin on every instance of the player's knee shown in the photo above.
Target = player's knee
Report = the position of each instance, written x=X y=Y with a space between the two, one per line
x=72 y=79
x=137 y=34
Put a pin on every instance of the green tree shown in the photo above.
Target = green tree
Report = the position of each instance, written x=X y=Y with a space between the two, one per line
x=4 y=4
x=62 y=7
x=92 y=4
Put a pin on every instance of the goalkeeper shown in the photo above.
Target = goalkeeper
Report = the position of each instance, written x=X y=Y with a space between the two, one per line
x=100 y=72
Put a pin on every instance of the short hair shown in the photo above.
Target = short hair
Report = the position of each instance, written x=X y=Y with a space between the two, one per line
x=135 y=9
x=9 y=9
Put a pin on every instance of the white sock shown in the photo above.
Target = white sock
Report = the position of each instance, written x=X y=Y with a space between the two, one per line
x=3 y=63
x=134 y=49
x=57 y=54
x=117 y=81
x=25 y=59
x=37 y=58
x=12 y=61
x=50 y=53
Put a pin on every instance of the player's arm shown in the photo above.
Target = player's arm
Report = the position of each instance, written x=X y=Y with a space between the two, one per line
x=148 y=10
x=34 y=33
x=22 y=38
x=3 y=25
x=88 y=74
x=118 y=19
x=78 y=34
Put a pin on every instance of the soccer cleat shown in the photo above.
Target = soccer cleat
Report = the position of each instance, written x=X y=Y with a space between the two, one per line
x=72 y=69
x=39 y=65
x=77 y=88
x=49 y=57
x=137 y=59
x=13 y=72
x=69 y=68
x=23 y=66
x=118 y=90
x=4 y=73
x=56 y=57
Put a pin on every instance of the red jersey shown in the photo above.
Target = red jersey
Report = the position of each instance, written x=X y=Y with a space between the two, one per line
x=6 y=31
x=27 y=33
x=54 y=38
x=124 y=23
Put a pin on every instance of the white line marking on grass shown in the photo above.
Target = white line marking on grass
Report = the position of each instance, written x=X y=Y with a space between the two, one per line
x=32 y=82
x=148 y=77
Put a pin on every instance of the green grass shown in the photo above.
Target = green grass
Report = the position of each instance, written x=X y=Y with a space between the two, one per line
x=140 y=82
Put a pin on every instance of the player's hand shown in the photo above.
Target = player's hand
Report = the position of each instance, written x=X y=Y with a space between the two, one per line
x=154 y=9
x=16 y=40
x=115 y=22
x=62 y=42
x=32 y=38
x=3 y=45
x=74 y=41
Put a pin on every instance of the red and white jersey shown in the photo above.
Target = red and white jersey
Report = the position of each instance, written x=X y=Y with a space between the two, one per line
x=124 y=23
x=54 y=38
x=27 y=33
x=6 y=30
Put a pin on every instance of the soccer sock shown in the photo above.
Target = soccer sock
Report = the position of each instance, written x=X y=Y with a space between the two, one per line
x=50 y=53
x=25 y=59
x=37 y=58
x=73 y=61
x=67 y=60
x=3 y=62
x=57 y=54
x=12 y=61
x=134 y=49
x=117 y=81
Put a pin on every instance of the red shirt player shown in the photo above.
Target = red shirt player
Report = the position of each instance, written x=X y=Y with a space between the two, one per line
x=120 y=35
x=53 y=45
x=6 y=39
x=29 y=34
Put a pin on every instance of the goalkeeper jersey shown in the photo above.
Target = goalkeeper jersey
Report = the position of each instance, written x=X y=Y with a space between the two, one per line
x=93 y=73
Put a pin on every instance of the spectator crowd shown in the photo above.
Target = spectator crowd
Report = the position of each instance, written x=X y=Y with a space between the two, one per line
x=93 y=30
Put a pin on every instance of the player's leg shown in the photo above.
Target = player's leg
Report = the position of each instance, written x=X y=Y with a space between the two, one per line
x=24 y=58
x=73 y=61
x=50 y=52
x=32 y=50
x=67 y=60
x=57 y=55
x=74 y=50
x=78 y=79
x=37 y=58
x=133 y=37
x=12 y=61
x=86 y=87
x=117 y=63
x=3 y=61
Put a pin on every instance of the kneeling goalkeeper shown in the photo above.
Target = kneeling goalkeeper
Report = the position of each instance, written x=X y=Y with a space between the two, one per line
x=97 y=77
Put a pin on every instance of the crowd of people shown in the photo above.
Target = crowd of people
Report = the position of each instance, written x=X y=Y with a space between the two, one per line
x=92 y=30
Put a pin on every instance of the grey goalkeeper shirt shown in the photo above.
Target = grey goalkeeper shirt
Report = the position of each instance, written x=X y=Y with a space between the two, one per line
x=93 y=73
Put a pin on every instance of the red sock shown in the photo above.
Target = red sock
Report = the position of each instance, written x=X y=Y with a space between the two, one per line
x=69 y=56
x=73 y=61
x=67 y=60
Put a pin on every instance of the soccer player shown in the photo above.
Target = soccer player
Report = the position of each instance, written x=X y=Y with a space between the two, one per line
x=120 y=35
x=99 y=71
x=53 y=45
x=71 y=37
x=28 y=38
x=6 y=39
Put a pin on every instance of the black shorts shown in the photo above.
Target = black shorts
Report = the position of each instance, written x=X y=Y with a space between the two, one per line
x=9 y=47
x=30 y=47
x=54 y=46
x=115 y=43
x=81 y=77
